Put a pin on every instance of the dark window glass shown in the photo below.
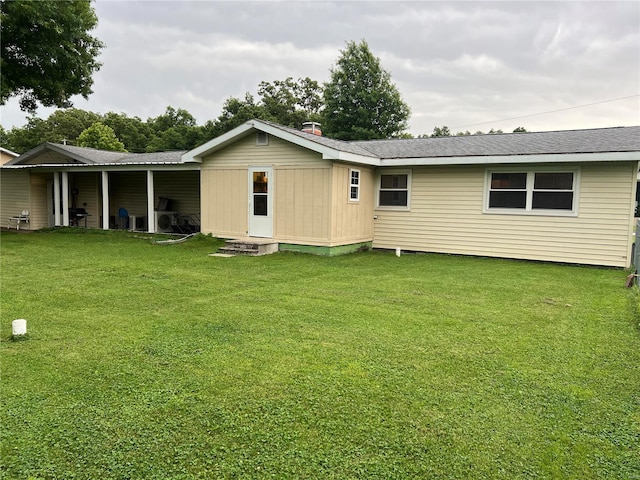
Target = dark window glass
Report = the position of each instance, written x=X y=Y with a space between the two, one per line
x=393 y=198
x=553 y=200
x=354 y=193
x=393 y=181
x=510 y=181
x=260 y=205
x=553 y=181
x=505 y=199
x=355 y=177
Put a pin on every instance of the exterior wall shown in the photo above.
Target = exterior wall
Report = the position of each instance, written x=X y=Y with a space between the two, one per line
x=15 y=189
x=302 y=204
x=302 y=184
x=446 y=217
x=224 y=201
x=5 y=157
x=183 y=188
x=352 y=222
x=39 y=214
x=89 y=196
x=128 y=190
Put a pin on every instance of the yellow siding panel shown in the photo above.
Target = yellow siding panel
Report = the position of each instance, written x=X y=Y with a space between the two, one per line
x=15 y=190
x=352 y=222
x=278 y=152
x=224 y=202
x=446 y=217
x=39 y=215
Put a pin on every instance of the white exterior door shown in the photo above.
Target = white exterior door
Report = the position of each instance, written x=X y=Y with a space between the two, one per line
x=261 y=202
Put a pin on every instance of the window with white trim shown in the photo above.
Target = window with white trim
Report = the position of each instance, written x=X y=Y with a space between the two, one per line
x=532 y=191
x=354 y=185
x=394 y=190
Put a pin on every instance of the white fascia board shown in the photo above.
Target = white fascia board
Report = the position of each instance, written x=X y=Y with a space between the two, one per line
x=513 y=159
x=327 y=153
x=217 y=143
x=58 y=167
x=9 y=152
x=223 y=140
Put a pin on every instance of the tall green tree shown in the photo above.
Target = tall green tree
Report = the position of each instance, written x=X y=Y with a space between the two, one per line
x=361 y=101
x=47 y=52
x=101 y=137
x=132 y=131
x=291 y=103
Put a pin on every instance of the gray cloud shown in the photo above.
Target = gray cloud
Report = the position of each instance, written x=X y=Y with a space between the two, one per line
x=455 y=63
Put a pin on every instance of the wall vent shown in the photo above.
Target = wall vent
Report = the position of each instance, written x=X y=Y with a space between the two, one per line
x=262 y=138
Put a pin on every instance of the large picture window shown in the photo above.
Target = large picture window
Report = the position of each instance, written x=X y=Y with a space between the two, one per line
x=394 y=190
x=541 y=192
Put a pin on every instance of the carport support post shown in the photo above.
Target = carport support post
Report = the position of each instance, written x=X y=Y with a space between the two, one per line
x=57 y=221
x=105 y=200
x=151 y=224
x=65 y=199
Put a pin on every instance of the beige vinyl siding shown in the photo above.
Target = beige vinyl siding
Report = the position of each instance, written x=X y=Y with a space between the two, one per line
x=15 y=188
x=88 y=185
x=5 y=157
x=245 y=152
x=128 y=190
x=39 y=214
x=49 y=157
x=224 y=202
x=302 y=205
x=446 y=216
x=352 y=221
x=183 y=188
x=301 y=186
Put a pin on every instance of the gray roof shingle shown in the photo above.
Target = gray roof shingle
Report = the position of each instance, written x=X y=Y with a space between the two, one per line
x=618 y=139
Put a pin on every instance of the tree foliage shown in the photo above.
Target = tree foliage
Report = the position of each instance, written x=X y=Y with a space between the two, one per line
x=444 y=131
x=286 y=102
x=47 y=52
x=361 y=102
x=100 y=136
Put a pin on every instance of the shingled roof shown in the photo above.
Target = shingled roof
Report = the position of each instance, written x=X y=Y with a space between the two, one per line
x=92 y=156
x=619 y=139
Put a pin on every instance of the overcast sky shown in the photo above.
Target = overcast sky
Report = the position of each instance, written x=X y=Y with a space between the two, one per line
x=468 y=65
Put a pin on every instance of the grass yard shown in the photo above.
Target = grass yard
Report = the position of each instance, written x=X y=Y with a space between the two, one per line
x=151 y=361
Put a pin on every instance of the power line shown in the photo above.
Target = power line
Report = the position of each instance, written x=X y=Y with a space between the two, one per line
x=544 y=113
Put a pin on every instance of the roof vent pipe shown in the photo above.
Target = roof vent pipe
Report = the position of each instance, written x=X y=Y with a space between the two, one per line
x=312 y=127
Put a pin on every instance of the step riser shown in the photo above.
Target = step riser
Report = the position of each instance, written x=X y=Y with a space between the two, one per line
x=249 y=248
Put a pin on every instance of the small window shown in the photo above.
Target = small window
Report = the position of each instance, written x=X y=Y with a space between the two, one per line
x=262 y=138
x=394 y=190
x=354 y=185
x=532 y=192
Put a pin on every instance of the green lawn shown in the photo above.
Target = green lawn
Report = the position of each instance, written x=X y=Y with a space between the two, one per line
x=151 y=361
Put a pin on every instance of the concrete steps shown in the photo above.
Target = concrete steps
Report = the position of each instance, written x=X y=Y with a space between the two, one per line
x=253 y=247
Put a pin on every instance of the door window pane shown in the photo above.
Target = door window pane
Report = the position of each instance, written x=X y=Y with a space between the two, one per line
x=260 y=182
x=260 y=205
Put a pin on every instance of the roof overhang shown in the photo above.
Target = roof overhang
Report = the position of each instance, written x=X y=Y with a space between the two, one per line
x=513 y=159
x=48 y=146
x=105 y=167
x=245 y=129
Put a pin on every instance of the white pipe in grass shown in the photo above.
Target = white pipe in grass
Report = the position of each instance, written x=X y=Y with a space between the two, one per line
x=19 y=327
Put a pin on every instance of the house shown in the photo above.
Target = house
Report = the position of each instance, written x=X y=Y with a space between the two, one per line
x=64 y=185
x=6 y=155
x=565 y=196
x=555 y=196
